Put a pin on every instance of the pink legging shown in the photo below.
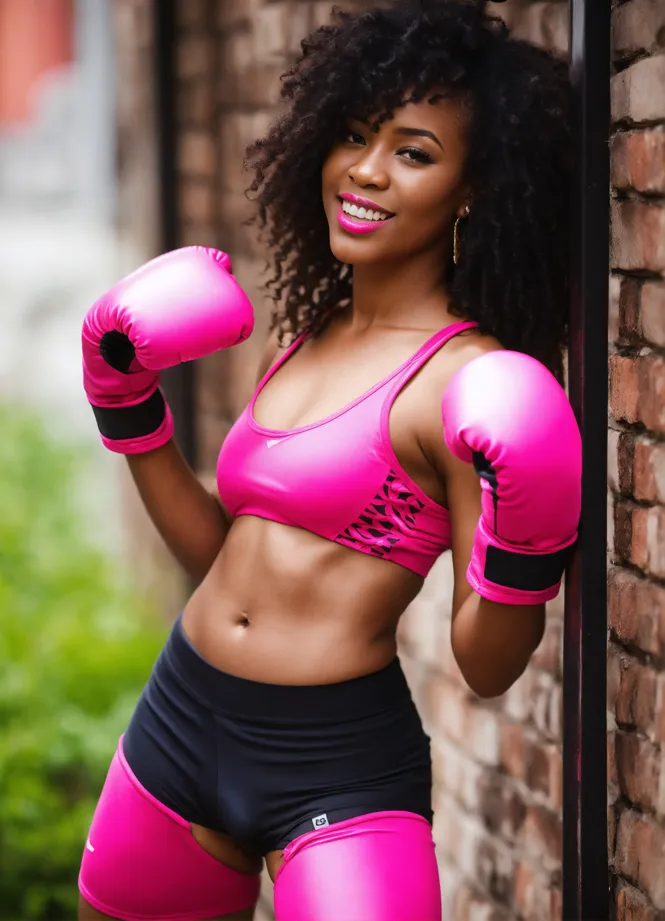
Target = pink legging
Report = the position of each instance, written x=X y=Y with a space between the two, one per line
x=141 y=863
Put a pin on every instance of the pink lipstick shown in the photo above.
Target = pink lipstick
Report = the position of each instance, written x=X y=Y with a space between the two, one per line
x=358 y=225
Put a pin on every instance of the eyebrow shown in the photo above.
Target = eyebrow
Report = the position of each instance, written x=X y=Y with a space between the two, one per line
x=419 y=132
x=411 y=132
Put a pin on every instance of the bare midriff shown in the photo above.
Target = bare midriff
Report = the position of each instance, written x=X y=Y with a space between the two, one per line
x=284 y=606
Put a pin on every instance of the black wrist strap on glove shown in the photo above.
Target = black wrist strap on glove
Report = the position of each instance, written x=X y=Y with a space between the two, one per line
x=118 y=423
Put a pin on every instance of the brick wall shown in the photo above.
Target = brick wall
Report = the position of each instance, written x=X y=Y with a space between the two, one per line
x=497 y=765
x=636 y=655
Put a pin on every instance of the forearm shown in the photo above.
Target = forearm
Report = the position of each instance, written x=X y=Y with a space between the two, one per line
x=190 y=520
x=493 y=642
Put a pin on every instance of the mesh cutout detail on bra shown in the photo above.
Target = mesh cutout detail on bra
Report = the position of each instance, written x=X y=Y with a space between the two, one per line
x=390 y=516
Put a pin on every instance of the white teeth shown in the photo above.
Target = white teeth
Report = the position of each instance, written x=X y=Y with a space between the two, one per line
x=366 y=214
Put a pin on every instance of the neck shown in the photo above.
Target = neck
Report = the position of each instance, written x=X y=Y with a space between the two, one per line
x=408 y=295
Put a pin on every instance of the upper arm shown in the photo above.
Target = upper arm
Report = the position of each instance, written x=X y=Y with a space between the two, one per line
x=462 y=484
x=523 y=624
x=464 y=507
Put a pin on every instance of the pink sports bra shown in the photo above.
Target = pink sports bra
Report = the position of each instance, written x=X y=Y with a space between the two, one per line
x=339 y=477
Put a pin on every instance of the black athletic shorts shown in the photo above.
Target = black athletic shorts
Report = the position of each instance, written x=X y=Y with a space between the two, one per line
x=265 y=763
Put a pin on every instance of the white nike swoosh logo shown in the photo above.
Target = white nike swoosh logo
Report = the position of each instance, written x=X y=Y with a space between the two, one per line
x=272 y=442
x=88 y=845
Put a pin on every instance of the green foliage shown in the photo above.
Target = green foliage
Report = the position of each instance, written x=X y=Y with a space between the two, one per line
x=76 y=647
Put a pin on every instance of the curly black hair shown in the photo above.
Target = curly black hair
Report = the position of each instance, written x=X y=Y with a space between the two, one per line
x=513 y=273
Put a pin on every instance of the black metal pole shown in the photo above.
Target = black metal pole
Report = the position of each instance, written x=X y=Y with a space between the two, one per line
x=585 y=861
x=179 y=382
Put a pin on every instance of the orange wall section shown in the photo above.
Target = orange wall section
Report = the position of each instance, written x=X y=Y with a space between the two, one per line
x=35 y=36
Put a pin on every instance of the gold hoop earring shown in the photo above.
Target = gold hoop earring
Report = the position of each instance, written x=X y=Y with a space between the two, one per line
x=456 y=235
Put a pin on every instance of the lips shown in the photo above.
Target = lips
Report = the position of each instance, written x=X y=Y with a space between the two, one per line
x=366 y=203
x=358 y=226
x=355 y=225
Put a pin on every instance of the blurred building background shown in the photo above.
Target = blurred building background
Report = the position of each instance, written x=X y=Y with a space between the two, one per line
x=122 y=130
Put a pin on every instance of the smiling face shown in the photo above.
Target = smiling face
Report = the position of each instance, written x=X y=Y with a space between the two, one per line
x=408 y=174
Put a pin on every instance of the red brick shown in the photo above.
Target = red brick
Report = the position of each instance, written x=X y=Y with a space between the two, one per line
x=625 y=462
x=624 y=388
x=638 y=160
x=638 y=234
x=518 y=699
x=196 y=104
x=613 y=459
x=613 y=813
x=612 y=775
x=193 y=14
x=255 y=86
x=609 y=534
x=501 y=806
x=653 y=311
x=556 y=903
x=658 y=734
x=232 y=14
x=614 y=292
x=637 y=389
x=613 y=675
x=513 y=750
x=271 y=30
x=548 y=656
x=197 y=202
x=451 y=713
x=459 y=836
x=636 y=693
x=623 y=530
x=237 y=131
x=543 y=23
x=638 y=764
x=495 y=871
x=648 y=541
x=197 y=154
x=636 y=609
x=638 y=26
x=456 y=774
x=639 y=854
x=424 y=625
x=239 y=238
x=649 y=471
x=630 y=331
x=531 y=896
x=195 y=56
x=632 y=905
x=544 y=771
x=446 y=663
x=542 y=833
x=625 y=457
x=321 y=10
x=638 y=93
x=450 y=880
x=546 y=706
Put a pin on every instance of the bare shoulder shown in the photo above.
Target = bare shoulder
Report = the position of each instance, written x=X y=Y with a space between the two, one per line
x=436 y=376
x=271 y=353
x=462 y=349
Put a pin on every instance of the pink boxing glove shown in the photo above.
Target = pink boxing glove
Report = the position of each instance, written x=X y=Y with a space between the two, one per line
x=506 y=414
x=178 y=307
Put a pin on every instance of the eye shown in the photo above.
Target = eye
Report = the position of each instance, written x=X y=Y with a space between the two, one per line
x=415 y=154
x=354 y=137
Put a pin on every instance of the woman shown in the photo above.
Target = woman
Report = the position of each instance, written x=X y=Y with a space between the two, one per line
x=414 y=194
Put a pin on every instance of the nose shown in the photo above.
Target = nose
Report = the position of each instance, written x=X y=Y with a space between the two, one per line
x=369 y=169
